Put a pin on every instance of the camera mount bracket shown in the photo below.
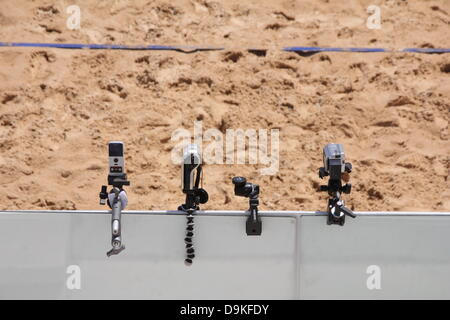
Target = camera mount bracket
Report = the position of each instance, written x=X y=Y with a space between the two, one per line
x=253 y=225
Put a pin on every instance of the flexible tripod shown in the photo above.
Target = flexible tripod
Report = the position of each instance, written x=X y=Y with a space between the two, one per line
x=194 y=195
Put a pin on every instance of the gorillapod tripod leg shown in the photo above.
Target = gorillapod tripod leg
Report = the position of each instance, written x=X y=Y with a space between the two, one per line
x=190 y=252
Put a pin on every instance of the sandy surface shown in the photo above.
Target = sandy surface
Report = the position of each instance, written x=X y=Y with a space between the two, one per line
x=58 y=108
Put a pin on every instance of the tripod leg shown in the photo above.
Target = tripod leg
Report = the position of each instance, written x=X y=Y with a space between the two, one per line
x=190 y=252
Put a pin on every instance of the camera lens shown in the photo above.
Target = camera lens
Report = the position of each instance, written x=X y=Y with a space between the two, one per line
x=239 y=181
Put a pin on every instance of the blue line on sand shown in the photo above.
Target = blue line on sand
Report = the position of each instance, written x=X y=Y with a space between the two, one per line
x=106 y=46
x=190 y=49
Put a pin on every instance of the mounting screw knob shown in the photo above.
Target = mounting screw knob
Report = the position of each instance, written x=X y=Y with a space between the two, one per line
x=347 y=188
x=239 y=181
x=348 y=167
x=202 y=196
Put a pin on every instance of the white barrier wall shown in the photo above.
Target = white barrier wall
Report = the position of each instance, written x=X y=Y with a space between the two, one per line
x=296 y=257
x=412 y=254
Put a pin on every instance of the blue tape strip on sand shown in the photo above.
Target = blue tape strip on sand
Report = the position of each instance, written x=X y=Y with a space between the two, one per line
x=106 y=46
x=190 y=49
x=427 y=50
x=326 y=49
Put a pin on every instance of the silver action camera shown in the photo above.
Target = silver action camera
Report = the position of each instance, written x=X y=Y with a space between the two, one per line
x=116 y=159
x=334 y=161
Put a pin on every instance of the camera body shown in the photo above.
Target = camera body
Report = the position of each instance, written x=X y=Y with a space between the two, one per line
x=116 y=164
x=116 y=159
x=191 y=162
x=242 y=188
x=334 y=162
x=191 y=172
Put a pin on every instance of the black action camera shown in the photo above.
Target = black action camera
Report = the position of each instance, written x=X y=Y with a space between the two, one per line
x=243 y=188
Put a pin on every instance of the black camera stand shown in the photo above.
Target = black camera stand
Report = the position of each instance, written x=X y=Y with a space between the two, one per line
x=253 y=225
x=336 y=209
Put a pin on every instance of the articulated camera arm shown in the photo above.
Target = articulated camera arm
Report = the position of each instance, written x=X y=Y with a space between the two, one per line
x=243 y=188
x=116 y=234
x=117 y=201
